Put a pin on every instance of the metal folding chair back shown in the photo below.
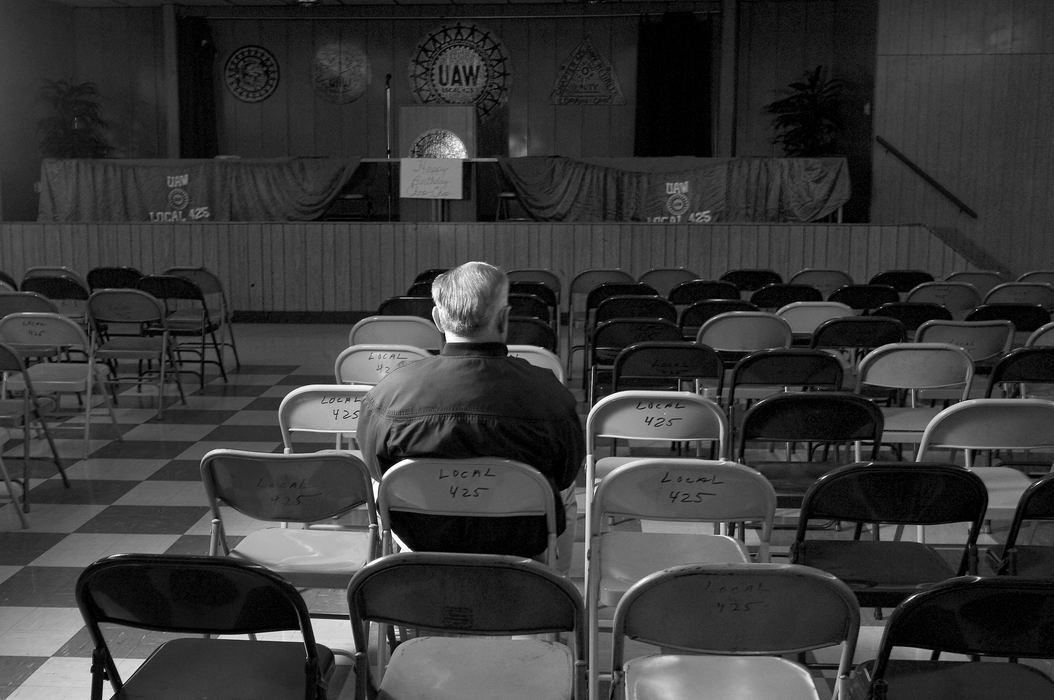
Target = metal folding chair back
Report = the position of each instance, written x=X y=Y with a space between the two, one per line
x=369 y=364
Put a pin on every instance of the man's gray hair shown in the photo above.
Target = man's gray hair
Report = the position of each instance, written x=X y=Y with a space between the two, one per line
x=467 y=296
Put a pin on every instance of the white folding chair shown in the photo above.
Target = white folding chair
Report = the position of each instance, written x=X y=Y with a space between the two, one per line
x=369 y=364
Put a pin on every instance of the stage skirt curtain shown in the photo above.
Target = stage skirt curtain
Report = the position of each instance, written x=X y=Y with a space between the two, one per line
x=165 y=191
x=678 y=189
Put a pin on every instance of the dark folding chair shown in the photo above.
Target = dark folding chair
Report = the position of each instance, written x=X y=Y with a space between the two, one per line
x=1020 y=367
x=430 y=274
x=113 y=277
x=750 y=279
x=419 y=289
x=407 y=306
x=611 y=337
x=669 y=366
x=776 y=296
x=1025 y=317
x=855 y=336
x=766 y=372
x=864 y=297
x=1031 y=560
x=529 y=306
x=902 y=280
x=692 y=318
x=531 y=331
x=699 y=290
x=913 y=313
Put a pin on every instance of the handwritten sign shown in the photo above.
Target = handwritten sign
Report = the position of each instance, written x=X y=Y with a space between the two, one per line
x=470 y=483
x=431 y=178
x=657 y=413
x=679 y=486
x=344 y=409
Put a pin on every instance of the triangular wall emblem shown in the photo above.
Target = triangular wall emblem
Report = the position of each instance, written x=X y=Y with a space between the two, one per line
x=587 y=79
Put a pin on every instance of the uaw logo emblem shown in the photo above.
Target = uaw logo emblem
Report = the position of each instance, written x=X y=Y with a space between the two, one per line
x=677 y=201
x=178 y=200
x=678 y=205
x=461 y=64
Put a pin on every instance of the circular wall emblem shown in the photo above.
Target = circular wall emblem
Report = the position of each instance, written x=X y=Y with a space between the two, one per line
x=461 y=64
x=438 y=143
x=340 y=72
x=251 y=73
x=178 y=198
x=677 y=204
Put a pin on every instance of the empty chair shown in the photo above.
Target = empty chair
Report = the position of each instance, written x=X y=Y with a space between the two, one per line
x=722 y=629
x=634 y=306
x=739 y=333
x=776 y=370
x=774 y=296
x=531 y=331
x=1023 y=372
x=329 y=410
x=1022 y=293
x=54 y=271
x=804 y=317
x=798 y=419
x=219 y=306
x=697 y=313
x=311 y=490
x=429 y=274
x=553 y=280
x=884 y=571
x=983 y=341
x=673 y=366
x=69 y=294
x=539 y=357
x=611 y=337
x=979 y=617
x=14 y=302
x=1022 y=558
x=396 y=330
x=7 y=282
x=854 y=336
x=468 y=608
x=983 y=425
x=958 y=297
x=580 y=286
x=981 y=280
x=113 y=277
x=407 y=306
x=419 y=289
x=688 y=491
x=864 y=297
x=543 y=293
x=913 y=313
x=1041 y=337
x=203 y=596
x=699 y=290
x=664 y=279
x=1041 y=276
x=369 y=364
x=751 y=279
x=825 y=279
x=1027 y=318
x=902 y=280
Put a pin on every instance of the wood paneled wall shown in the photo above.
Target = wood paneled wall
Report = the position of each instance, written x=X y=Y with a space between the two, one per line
x=963 y=90
x=351 y=267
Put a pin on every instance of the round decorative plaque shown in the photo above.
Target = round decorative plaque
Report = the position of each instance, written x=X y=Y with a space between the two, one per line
x=251 y=73
x=340 y=72
x=438 y=143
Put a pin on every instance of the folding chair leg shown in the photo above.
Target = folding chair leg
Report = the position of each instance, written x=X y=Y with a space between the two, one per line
x=11 y=492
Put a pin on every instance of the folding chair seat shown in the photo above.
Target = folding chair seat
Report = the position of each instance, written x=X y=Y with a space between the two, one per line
x=913 y=313
x=981 y=618
x=687 y=293
x=397 y=330
x=751 y=279
x=369 y=364
x=981 y=280
x=984 y=341
x=478 y=505
x=611 y=337
x=330 y=410
x=200 y=595
x=825 y=279
x=722 y=628
x=136 y=329
x=317 y=491
x=1018 y=557
x=738 y=333
x=48 y=334
x=817 y=419
x=692 y=492
x=1023 y=372
x=407 y=306
x=804 y=317
x=10 y=484
x=865 y=297
x=901 y=280
x=472 y=611
x=531 y=331
x=988 y=425
x=216 y=300
x=775 y=296
x=188 y=317
x=958 y=297
x=883 y=572
x=539 y=357
x=113 y=277
x=664 y=279
x=777 y=370
x=669 y=366
x=1040 y=293
x=692 y=318
x=902 y=371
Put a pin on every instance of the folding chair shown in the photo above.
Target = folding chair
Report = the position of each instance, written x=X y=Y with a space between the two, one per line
x=550 y=278
x=216 y=300
x=669 y=366
x=691 y=318
x=1041 y=337
x=722 y=629
x=854 y=336
x=738 y=333
x=984 y=341
x=113 y=277
x=188 y=316
x=473 y=604
x=901 y=280
x=9 y=485
x=580 y=286
x=864 y=297
x=611 y=337
x=407 y=306
x=322 y=409
x=883 y=572
x=69 y=293
x=958 y=297
x=913 y=313
x=605 y=292
x=1027 y=318
x=751 y=279
x=1040 y=293
x=775 y=296
x=687 y=293
x=981 y=280
x=429 y=274
x=144 y=338
x=1023 y=372
x=49 y=334
x=369 y=364
x=313 y=490
x=804 y=317
x=531 y=331
x=1017 y=557
x=664 y=279
x=825 y=279
x=686 y=491
x=777 y=370
x=396 y=330
x=539 y=357
x=1000 y=616
x=523 y=305
x=202 y=596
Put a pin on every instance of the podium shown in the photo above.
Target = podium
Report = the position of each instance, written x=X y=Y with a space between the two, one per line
x=439 y=131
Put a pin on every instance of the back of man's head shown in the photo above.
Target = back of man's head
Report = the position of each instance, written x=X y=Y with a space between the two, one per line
x=468 y=297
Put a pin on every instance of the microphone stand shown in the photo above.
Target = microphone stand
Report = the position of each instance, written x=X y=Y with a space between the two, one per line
x=388 y=138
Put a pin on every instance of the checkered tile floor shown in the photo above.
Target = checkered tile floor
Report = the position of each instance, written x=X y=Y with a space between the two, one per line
x=143 y=494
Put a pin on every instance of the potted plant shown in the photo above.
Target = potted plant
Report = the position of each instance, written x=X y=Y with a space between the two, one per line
x=808 y=118
x=74 y=127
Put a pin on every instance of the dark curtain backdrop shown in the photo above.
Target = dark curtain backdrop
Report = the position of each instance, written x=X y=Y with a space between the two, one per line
x=674 y=86
x=197 y=99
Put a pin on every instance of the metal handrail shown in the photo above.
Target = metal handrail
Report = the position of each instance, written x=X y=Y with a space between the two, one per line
x=915 y=168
